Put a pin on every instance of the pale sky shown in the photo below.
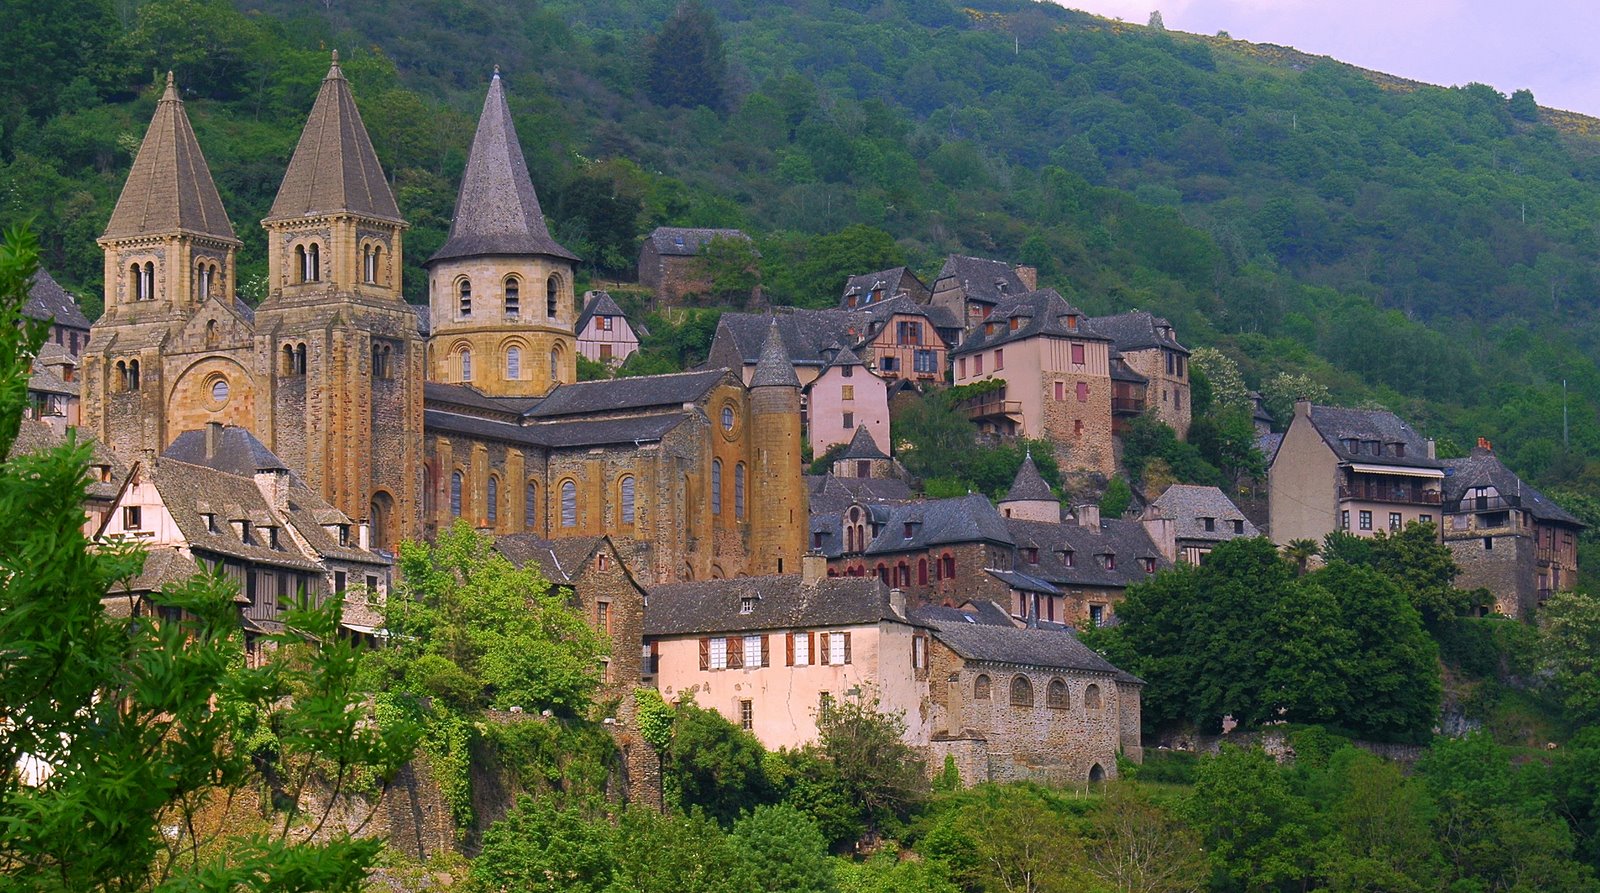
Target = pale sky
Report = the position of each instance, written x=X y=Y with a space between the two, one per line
x=1546 y=46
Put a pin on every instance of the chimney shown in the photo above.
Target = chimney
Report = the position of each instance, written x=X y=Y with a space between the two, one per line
x=1302 y=407
x=1433 y=449
x=1029 y=276
x=213 y=438
x=1088 y=515
x=897 y=602
x=364 y=535
x=1163 y=531
x=813 y=568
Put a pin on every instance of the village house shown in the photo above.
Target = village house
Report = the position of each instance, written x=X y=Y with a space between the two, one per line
x=1506 y=536
x=970 y=288
x=605 y=335
x=862 y=459
x=49 y=302
x=866 y=289
x=670 y=265
x=107 y=471
x=845 y=398
x=53 y=389
x=1147 y=347
x=898 y=339
x=1200 y=519
x=1355 y=470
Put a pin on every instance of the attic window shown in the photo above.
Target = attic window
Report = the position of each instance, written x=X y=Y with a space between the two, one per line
x=211 y=522
x=132 y=517
x=909 y=529
x=1032 y=554
x=344 y=534
x=1149 y=565
x=244 y=533
x=1072 y=323
x=1238 y=527
x=1210 y=523
x=747 y=604
x=1066 y=558
x=1109 y=560
x=1016 y=323
x=272 y=538
x=1400 y=450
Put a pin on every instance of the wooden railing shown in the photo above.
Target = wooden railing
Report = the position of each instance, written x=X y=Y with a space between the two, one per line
x=1401 y=494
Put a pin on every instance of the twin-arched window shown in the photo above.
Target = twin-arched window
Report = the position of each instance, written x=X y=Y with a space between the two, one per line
x=308 y=261
x=143 y=280
x=205 y=279
x=369 y=264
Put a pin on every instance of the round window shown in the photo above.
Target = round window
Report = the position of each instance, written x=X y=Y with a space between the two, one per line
x=727 y=418
x=219 y=390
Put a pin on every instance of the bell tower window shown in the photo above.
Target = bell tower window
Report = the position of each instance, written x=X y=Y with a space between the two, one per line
x=302 y=266
x=314 y=263
x=466 y=364
x=369 y=264
x=144 y=281
x=555 y=366
x=552 y=294
x=464 y=297
x=382 y=360
x=513 y=296
x=513 y=363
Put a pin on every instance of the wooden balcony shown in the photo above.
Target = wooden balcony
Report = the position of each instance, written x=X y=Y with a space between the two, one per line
x=997 y=407
x=1396 y=493
x=1127 y=405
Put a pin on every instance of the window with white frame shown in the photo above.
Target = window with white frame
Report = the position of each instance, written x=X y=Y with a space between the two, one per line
x=836 y=652
x=802 y=649
x=719 y=654
x=752 y=651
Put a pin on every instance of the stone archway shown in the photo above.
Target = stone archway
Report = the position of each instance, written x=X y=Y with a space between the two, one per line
x=211 y=389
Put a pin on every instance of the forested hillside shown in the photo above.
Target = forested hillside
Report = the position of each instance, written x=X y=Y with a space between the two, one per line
x=1432 y=250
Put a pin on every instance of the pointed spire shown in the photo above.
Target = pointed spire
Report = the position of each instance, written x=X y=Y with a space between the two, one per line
x=497 y=211
x=169 y=190
x=1029 y=484
x=334 y=168
x=774 y=368
x=862 y=446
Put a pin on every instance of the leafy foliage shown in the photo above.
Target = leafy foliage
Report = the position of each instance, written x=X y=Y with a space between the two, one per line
x=1569 y=626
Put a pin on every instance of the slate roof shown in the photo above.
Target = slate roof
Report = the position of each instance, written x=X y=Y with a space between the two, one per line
x=1137 y=330
x=44 y=380
x=191 y=491
x=437 y=395
x=559 y=560
x=1127 y=540
x=1121 y=371
x=1337 y=424
x=781 y=602
x=773 y=369
x=497 y=211
x=236 y=451
x=600 y=303
x=862 y=446
x=988 y=281
x=830 y=493
x=1029 y=484
x=1187 y=504
x=1484 y=469
x=620 y=394
x=687 y=241
x=1052 y=649
x=878 y=314
x=1042 y=312
x=891 y=282
x=811 y=336
x=334 y=167
x=163 y=566
x=169 y=189
x=35 y=435
x=48 y=300
x=557 y=434
x=1268 y=445
x=981 y=610
x=965 y=519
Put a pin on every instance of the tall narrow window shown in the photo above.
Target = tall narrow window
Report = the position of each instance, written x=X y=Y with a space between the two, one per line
x=513 y=296
x=149 y=281
x=314 y=263
x=369 y=265
x=133 y=375
x=302 y=264
x=716 y=486
x=569 y=504
x=492 y=510
x=466 y=364
x=513 y=363
x=626 y=488
x=555 y=366
x=738 y=491
x=464 y=297
x=203 y=282
x=530 y=507
x=552 y=294
x=455 y=494
x=300 y=359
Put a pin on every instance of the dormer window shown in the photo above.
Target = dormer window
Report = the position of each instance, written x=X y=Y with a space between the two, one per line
x=272 y=538
x=211 y=522
x=1032 y=554
x=1210 y=524
x=1400 y=450
x=1238 y=527
x=1016 y=323
x=747 y=604
x=344 y=534
x=1108 y=561
x=1149 y=565
x=244 y=533
x=910 y=528
x=1066 y=557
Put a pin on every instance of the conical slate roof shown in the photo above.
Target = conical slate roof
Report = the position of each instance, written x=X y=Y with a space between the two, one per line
x=497 y=211
x=845 y=357
x=334 y=168
x=773 y=369
x=1029 y=485
x=862 y=446
x=169 y=189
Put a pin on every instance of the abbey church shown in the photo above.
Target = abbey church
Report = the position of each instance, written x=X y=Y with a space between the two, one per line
x=412 y=422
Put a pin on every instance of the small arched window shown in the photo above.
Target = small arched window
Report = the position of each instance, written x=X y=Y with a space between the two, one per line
x=302 y=265
x=455 y=494
x=202 y=281
x=513 y=363
x=980 y=688
x=136 y=282
x=738 y=491
x=466 y=364
x=464 y=297
x=492 y=509
x=625 y=488
x=513 y=296
x=288 y=360
x=716 y=486
x=569 y=504
x=727 y=418
x=1091 y=697
x=212 y=337
x=369 y=264
x=530 y=507
x=382 y=361
x=314 y=263
x=122 y=376
x=133 y=375
x=147 y=280
x=300 y=359
x=552 y=294
x=1056 y=695
x=947 y=566
x=1021 y=692
x=555 y=366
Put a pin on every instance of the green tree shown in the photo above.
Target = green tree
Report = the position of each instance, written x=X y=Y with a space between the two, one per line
x=1117 y=497
x=1424 y=568
x=687 y=65
x=545 y=847
x=886 y=872
x=783 y=850
x=713 y=765
x=592 y=370
x=1382 y=826
x=1281 y=391
x=1140 y=847
x=1569 y=632
x=874 y=764
x=672 y=853
x=503 y=628
x=1259 y=834
x=1228 y=390
x=138 y=733
x=731 y=266
x=1522 y=106
x=1300 y=552
x=808 y=781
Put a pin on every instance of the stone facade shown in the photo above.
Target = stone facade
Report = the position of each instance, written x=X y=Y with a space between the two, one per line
x=669 y=262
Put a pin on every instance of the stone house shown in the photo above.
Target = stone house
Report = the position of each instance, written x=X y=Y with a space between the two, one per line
x=970 y=288
x=48 y=301
x=1075 y=572
x=669 y=261
x=898 y=339
x=867 y=289
x=845 y=398
x=596 y=580
x=605 y=334
x=1356 y=470
x=1011 y=703
x=1505 y=535
x=771 y=652
x=1200 y=519
x=53 y=389
x=107 y=471
x=1054 y=378
x=218 y=499
x=1148 y=347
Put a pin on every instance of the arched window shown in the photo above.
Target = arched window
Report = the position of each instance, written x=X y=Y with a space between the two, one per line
x=1021 y=692
x=300 y=359
x=569 y=504
x=552 y=292
x=133 y=375
x=530 y=507
x=136 y=283
x=288 y=360
x=947 y=566
x=382 y=367
x=455 y=494
x=492 y=510
x=122 y=376
x=314 y=263
x=625 y=492
x=716 y=486
x=1097 y=773
x=381 y=516
x=464 y=297
x=1056 y=695
x=369 y=265
x=980 y=688
x=466 y=364
x=513 y=296
x=302 y=265
x=883 y=572
x=738 y=491
x=513 y=363
x=727 y=418
x=922 y=571
x=902 y=574
x=555 y=366
x=202 y=281
x=211 y=333
x=1091 y=697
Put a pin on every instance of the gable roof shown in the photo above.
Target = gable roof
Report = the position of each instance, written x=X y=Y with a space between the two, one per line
x=892 y=282
x=169 y=189
x=1042 y=312
x=982 y=279
x=862 y=446
x=1337 y=425
x=558 y=560
x=497 y=211
x=189 y=492
x=1186 y=504
x=1484 y=469
x=1029 y=484
x=600 y=303
x=35 y=435
x=620 y=394
x=48 y=300
x=1024 y=647
x=558 y=433
x=935 y=522
x=780 y=602
x=1127 y=541
x=334 y=167
x=878 y=313
x=687 y=241
x=1137 y=330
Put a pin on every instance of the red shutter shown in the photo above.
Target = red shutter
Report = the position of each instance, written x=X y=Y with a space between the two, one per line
x=735 y=646
x=846 y=647
x=811 y=649
x=766 y=653
x=788 y=649
x=705 y=654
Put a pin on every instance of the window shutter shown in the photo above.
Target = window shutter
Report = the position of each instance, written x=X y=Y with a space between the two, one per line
x=766 y=653
x=811 y=650
x=846 y=646
x=788 y=649
x=705 y=654
x=735 y=652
